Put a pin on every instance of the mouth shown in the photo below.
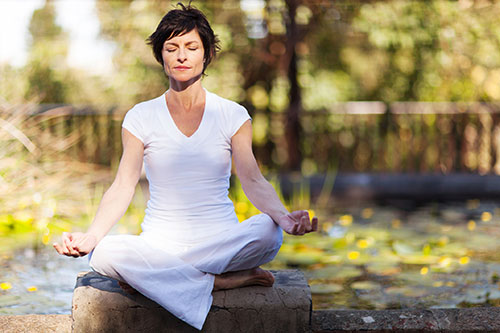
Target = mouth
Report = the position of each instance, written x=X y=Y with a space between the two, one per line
x=182 y=68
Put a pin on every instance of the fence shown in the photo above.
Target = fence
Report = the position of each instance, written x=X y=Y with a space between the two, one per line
x=353 y=136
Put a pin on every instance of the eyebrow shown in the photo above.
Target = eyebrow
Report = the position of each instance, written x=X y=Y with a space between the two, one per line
x=175 y=44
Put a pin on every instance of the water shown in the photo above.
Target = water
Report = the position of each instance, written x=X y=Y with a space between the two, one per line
x=372 y=257
x=52 y=275
x=434 y=256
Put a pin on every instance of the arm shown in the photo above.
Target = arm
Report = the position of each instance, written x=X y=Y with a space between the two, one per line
x=260 y=192
x=114 y=202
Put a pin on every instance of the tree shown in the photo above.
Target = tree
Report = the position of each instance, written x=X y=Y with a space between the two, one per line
x=48 y=50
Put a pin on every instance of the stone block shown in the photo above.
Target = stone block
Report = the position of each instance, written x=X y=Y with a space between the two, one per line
x=480 y=319
x=35 y=323
x=100 y=305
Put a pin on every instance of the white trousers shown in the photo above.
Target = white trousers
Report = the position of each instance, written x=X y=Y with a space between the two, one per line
x=182 y=280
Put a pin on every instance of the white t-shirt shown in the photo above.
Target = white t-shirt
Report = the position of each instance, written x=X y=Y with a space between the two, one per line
x=188 y=176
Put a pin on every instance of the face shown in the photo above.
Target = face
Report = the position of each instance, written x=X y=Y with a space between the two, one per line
x=183 y=56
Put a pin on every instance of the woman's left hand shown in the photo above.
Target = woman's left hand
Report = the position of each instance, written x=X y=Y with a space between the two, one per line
x=298 y=222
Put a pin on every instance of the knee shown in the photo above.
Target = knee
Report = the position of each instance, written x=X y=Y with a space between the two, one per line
x=268 y=233
x=101 y=258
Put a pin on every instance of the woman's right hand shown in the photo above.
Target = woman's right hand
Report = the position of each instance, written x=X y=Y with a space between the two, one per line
x=76 y=244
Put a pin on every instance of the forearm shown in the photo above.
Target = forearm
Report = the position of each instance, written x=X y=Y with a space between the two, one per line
x=263 y=195
x=113 y=205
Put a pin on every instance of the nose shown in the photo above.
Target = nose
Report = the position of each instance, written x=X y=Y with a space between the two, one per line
x=181 y=55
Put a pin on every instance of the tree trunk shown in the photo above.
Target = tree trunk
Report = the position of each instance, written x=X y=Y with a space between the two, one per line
x=292 y=127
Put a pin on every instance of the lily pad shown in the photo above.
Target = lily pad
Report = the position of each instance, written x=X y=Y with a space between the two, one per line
x=403 y=248
x=408 y=291
x=336 y=272
x=383 y=268
x=419 y=259
x=475 y=296
x=494 y=294
x=365 y=285
x=320 y=289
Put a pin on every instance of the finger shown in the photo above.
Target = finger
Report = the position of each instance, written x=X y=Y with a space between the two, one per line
x=70 y=249
x=58 y=248
x=66 y=240
x=315 y=224
x=301 y=227
x=307 y=224
x=67 y=237
x=294 y=229
x=73 y=252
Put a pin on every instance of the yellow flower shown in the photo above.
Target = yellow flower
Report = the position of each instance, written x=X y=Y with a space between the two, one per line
x=486 y=216
x=367 y=213
x=471 y=225
x=396 y=223
x=353 y=255
x=312 y=213
x=362 y=243
x=345 y=220
x=424 y=270
x=438 y=284
x=5 y=286
x=464 y=260
x=450 y=284
x=45 y=239
x=444 y=262
x=32 y=289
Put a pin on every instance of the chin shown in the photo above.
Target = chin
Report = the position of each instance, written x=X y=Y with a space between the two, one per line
x=185 y=78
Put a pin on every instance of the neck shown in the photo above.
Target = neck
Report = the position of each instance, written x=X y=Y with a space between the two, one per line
x=191 y=95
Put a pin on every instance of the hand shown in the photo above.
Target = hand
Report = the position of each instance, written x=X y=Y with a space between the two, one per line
x=298 y=222
x=76 y=244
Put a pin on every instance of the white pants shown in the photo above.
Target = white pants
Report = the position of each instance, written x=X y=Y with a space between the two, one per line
x=182 y=280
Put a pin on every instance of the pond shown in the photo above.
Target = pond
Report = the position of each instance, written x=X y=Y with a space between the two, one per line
x=372 y=257
x=433 y=256
x=40 y=282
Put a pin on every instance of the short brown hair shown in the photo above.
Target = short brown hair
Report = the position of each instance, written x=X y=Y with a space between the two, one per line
x=180 y=21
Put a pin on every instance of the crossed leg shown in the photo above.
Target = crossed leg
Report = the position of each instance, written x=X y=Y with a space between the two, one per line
x=230 y=261
x=229 y=280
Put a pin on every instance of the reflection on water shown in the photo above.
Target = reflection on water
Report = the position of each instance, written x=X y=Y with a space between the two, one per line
x=375 y=257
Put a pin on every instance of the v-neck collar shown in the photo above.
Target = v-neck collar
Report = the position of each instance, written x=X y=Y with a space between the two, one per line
x=173 y=125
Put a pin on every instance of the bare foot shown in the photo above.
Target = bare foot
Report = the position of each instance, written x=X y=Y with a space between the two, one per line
x=127 y=288
x=249 y=277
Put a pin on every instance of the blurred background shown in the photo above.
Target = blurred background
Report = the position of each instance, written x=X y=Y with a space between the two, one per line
x=381 y=117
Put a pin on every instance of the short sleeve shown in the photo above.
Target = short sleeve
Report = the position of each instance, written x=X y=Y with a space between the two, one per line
x=132 y=123
x=238 y=117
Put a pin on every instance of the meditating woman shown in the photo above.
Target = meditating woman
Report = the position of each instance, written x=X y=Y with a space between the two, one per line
x=191 y=242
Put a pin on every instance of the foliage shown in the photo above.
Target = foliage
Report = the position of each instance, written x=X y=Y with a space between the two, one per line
x=36 y=170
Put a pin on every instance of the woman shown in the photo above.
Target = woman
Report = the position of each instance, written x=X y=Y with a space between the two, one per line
x=191 y=242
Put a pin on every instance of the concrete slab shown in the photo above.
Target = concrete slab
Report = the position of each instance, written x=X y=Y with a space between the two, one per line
x=35 y=324
x=481 y=319
x=100 y=305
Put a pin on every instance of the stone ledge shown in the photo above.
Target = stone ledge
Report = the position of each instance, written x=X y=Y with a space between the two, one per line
x=100 y=305
x=35 y=323
x=480 y=319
